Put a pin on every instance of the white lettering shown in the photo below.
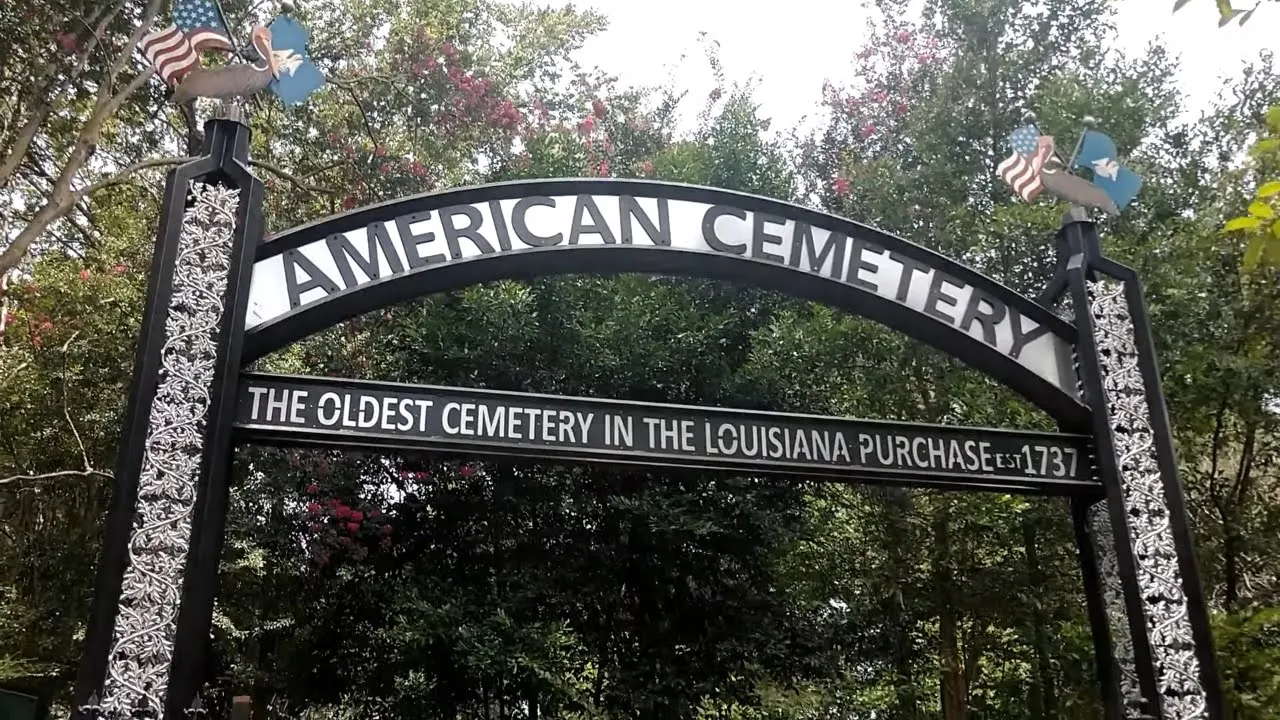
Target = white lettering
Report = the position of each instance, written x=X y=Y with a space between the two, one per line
x=297 y=406
x=278 y=403
x=257 y=393
x=368 y=411
x=450 y=427
x=325 y=399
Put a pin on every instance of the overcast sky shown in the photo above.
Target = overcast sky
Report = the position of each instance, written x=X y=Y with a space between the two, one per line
x=791 y=52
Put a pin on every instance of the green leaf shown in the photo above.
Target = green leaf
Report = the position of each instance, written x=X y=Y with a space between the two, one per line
x=1271 y=247
x=1248 y=14
x=1268 y=189
x=1264 y=146
x=1180 y=4
x=1241 y=223
x=1260 y=209
x=1253 y=253
x=1225 y=10
x=1273 y=118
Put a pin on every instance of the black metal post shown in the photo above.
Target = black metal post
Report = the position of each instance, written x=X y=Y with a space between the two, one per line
x=170 y=491
x=1183 y=537
x=1095 y=604
x=231 y=146
x=1164 y=603
x=1080 y=241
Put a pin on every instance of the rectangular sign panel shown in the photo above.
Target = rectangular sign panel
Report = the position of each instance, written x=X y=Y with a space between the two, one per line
x=353 y=413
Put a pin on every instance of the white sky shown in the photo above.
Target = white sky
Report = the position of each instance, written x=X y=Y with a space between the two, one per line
x=792 y=51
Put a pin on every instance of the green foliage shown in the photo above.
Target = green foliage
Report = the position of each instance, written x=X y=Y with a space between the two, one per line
x=1251 y=640
x=1227 y=11
x=407 y=586
x=1261 y=225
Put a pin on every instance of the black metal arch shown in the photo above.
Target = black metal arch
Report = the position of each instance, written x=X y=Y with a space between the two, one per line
x=1062 y=405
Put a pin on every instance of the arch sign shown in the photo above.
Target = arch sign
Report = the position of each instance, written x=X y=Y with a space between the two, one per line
x=222 y=296
x=317 y=275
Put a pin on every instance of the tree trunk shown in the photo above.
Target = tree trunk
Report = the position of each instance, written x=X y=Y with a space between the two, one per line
x=1233 y=540
x=899 y=621
x=952 y=681
x=62 y=198
x=1044 y=696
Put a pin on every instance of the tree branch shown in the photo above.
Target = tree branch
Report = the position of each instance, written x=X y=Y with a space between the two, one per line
x=88 y=470
x=58 y=474
x=82 y=59
x=293 y=179
x=44 y=97
x=393 y=78
x=324 y=169
x=104 y=97
x=368 y=126
x=61 y=199
x=66 y=410
x=125 y=174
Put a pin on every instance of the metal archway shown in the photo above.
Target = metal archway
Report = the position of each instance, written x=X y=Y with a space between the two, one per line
x=219 y=296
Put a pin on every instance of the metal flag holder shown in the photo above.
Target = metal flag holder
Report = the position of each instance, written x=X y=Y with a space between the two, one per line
x=164 y=530
x=147 y=639
x=1146 y=604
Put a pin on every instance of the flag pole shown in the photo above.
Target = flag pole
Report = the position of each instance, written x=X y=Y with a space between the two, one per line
x=235 y=48
x=231 y=37
x=1029 y=118
x=1088 y=121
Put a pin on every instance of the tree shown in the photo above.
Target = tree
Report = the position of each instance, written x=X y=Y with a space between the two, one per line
x=70 y=68
x=407 y=585
x=1226 y=11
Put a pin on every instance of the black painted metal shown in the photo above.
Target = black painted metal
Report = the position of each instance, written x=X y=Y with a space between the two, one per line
x=229 y=143
x=146 y=373
x=1081 y=241
x=1166 y=458
x=1059 y=464
x=224 y=154
x=563 y=259
x=1095 y=605
x=1087 y=551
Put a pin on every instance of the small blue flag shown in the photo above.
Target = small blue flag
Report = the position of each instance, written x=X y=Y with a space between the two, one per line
x=1098 y=153
x=299 y=77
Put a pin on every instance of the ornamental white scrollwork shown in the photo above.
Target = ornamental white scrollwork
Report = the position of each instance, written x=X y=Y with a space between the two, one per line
x=1117 y=616
x=146 y=620
x=1146 y=510
x=1103 y=544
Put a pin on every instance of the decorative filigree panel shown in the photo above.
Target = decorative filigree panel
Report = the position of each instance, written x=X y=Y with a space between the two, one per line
x=142 y=644
x=1117 y=616
x=1108 y=564
x=1146 y=509
x=1065 y=308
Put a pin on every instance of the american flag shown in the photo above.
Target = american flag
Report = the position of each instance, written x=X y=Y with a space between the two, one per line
x=175 y=50
x=1022 y=169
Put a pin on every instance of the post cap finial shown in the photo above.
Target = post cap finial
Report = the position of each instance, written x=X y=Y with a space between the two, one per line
x=1028 y=117
x=287 y=6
